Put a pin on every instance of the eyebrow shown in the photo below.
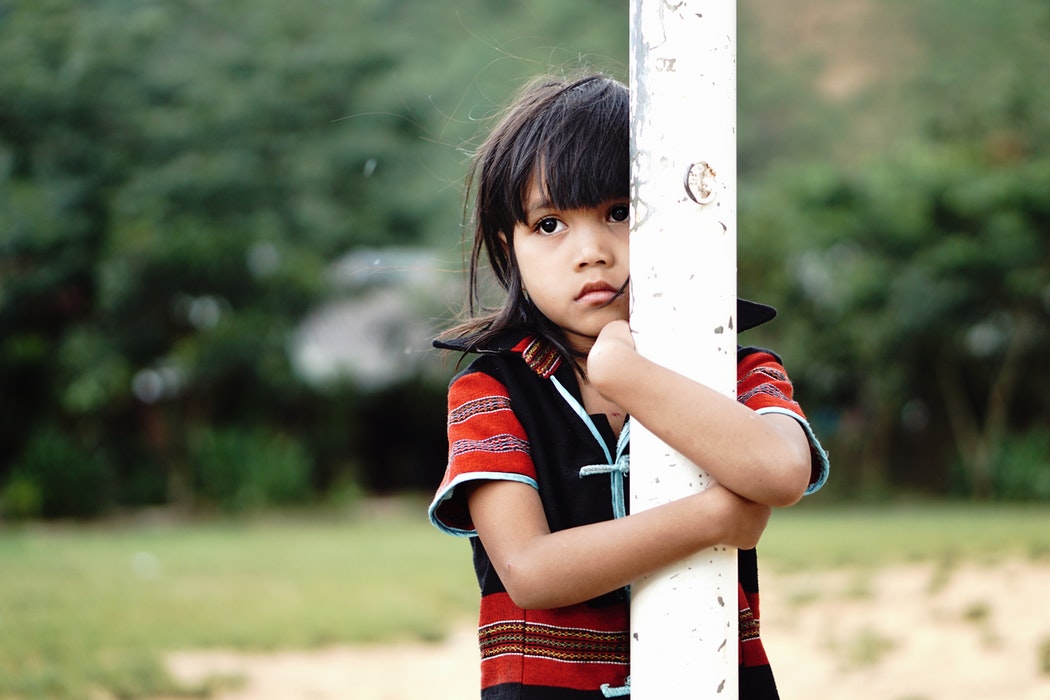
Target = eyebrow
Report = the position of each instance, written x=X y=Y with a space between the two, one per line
x=536 y=204
x=532 y=207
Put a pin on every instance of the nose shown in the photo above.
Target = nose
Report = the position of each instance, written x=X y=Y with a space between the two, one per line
x=593 y=246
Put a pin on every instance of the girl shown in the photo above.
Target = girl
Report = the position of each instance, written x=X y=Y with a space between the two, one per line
x=538 y=424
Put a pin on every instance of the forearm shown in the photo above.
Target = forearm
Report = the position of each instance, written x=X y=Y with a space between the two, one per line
x=541 y=569
x=763 y=458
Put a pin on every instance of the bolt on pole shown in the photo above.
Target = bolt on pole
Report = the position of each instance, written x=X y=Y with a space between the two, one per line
x=683 y=314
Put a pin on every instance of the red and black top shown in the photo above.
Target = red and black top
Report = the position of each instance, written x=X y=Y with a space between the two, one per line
x=509 y=419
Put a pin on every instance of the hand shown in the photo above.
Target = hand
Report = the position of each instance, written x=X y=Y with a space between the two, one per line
x=615 y=332
x=744 y=521
x=606 y=355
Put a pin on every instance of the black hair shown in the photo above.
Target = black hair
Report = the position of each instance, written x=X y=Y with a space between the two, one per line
x=570 y=137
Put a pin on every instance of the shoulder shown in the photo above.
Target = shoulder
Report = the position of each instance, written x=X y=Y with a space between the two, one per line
x=762 y=380
x=751 y=356
x=486 y=441
x=521 y=368
x=485 y=375
x=752 y=360
x=763 y=386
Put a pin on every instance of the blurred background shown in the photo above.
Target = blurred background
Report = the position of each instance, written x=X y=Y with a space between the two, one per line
x=228 y=232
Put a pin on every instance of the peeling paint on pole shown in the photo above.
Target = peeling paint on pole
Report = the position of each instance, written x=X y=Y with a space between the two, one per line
x=683 y=313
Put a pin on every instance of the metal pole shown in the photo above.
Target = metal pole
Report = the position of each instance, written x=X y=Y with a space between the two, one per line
x=683 y=283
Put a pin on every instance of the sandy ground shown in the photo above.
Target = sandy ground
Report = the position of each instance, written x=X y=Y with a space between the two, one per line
x=916 y=632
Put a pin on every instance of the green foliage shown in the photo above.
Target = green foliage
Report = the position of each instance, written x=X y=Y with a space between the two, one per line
x=176 y=179
x=909 y=249
x=20 y=498
x=978 y=89
x=1021 y=471
x=243 y=471
x=57 y=477
x=919 y=298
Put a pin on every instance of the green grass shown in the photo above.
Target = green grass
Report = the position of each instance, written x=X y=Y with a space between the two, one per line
x=87 y=608
x=89 y=611
x=811 y=535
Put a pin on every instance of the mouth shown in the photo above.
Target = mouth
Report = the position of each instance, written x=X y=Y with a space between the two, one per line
x=597 y=294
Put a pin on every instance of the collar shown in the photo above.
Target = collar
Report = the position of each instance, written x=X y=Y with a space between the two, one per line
x=544 y=359
x=540 y=355
x=750 y=314
x=504 y=342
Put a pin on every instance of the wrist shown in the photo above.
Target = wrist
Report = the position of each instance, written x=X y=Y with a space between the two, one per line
x=607 y=366
x=719 y=502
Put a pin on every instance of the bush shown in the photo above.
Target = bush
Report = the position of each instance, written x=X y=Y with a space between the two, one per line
x=56 y=477
x=20 y=499
x=1022 y=470
x=240 y=470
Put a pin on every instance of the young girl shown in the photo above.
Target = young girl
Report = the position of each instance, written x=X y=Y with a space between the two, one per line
x=538 y=424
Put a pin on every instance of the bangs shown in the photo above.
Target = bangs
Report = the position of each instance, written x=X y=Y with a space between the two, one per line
x=576 y=148
x=572 y=139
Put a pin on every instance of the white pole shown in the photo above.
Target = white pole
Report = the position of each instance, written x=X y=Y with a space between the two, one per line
x=683 y=284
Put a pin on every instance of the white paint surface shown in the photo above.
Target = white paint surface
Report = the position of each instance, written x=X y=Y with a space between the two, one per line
x=683 y=283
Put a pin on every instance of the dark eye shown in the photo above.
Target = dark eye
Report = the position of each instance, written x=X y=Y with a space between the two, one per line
x=549 y=225
x=619 y=213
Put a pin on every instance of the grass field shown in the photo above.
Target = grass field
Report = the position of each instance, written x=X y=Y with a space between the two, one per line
x=817 y=536
x=88 y=611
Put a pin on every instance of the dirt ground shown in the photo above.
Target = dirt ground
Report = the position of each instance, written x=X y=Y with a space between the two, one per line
x=916 y=632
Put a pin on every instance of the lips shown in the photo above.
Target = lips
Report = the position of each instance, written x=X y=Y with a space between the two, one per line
x=597 y=293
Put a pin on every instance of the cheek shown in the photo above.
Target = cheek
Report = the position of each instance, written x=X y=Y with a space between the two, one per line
x=531 y=278
x=531 y=264
x=623 y=246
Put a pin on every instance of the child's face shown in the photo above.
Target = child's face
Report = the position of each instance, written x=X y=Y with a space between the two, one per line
x=573 y=263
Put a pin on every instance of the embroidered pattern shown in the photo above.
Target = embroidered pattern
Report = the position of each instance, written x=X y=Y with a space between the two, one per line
x=749 y=626
x=565 y=644
x=582 y=647
x=494 y=444
x=478 y=407
x=768 y=390
x=542 y=357
x=767 y=371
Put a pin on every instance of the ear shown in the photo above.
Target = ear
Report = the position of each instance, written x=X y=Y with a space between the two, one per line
x=505 y=241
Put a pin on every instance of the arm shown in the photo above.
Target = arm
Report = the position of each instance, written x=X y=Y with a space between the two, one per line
x=541 y=569
x=764 y=458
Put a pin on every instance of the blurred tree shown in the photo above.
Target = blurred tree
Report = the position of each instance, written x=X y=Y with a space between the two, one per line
x=175 y=179
x=910 y=250
x=155 y=242
x=920 y=306
x=980 y=87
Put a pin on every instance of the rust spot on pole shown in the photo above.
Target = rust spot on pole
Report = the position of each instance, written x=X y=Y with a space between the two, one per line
x=700 y=183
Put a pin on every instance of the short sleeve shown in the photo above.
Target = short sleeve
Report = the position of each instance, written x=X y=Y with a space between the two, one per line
x=485 y=442
x=764 y=387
